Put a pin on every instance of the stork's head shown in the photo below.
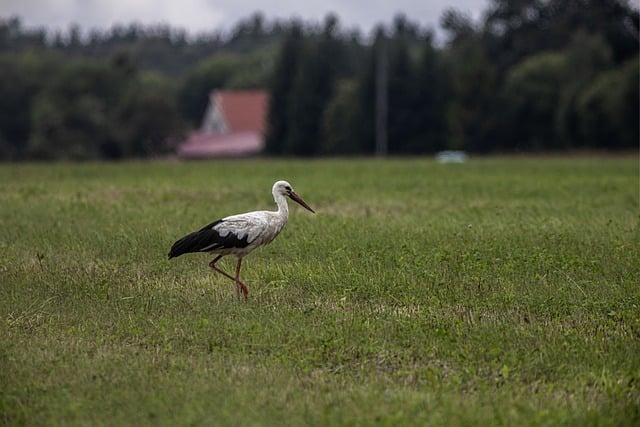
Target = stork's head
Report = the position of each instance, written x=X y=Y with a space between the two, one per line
x=285 y=189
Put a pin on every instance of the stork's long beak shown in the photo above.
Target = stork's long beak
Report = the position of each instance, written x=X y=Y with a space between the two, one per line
x=294 y=196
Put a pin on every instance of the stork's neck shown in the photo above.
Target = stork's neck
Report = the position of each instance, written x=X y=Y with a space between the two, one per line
x=283 y=207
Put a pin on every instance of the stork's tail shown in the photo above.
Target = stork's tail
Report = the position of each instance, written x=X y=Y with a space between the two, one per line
x=202 y=240
x=180 y=247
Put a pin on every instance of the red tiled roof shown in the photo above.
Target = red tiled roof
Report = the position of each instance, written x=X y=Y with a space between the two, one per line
x=243 y=110
x=237 y=144
x=244 y=114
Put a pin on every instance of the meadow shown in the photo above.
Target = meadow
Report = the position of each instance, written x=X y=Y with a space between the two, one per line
x=505 y=291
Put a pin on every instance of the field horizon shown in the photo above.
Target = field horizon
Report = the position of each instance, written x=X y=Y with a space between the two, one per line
x=502 y=291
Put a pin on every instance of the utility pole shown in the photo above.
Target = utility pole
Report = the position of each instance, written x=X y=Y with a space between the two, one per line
x=382 y=64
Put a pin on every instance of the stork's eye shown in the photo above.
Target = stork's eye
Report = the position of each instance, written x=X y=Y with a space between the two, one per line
x=287 y=188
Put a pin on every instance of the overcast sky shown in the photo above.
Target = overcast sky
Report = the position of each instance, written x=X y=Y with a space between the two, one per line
x=201 y=15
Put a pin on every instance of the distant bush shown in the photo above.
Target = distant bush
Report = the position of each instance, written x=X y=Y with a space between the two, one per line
x=608 y=109
x=93 y=110
x=22 y=77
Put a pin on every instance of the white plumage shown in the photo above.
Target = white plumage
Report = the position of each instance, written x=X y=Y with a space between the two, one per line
x=259 y=227
x=240 y=234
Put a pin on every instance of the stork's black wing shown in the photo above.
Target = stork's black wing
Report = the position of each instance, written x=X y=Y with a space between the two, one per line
x=206 y=239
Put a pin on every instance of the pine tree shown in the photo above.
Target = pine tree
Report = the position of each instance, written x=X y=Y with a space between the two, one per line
x=284 y=74
x=312 y=91
x=429 y=119
x=401 y=93
x=365 y=123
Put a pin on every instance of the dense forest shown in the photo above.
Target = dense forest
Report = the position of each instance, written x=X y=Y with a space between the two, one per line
x=530 y=75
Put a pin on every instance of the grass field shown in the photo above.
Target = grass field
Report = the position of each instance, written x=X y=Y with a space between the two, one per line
x=505 y=291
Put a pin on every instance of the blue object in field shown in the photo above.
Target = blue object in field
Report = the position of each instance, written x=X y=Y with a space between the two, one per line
x=451 y=156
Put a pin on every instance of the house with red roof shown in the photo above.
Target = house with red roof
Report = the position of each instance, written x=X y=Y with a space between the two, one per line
x=233 y=126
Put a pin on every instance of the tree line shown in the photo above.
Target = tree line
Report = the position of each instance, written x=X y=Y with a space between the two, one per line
x=529 y=75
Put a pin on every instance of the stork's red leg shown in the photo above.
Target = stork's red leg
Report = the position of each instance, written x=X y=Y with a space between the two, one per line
x=239 y=285
x=242 y=286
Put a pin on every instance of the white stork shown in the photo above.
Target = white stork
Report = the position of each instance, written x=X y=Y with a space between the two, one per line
x=240 y=234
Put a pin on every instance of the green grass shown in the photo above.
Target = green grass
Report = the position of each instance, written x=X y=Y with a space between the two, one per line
x=505 y=291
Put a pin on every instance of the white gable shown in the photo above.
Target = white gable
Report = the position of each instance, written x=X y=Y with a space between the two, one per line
x=213 y=121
